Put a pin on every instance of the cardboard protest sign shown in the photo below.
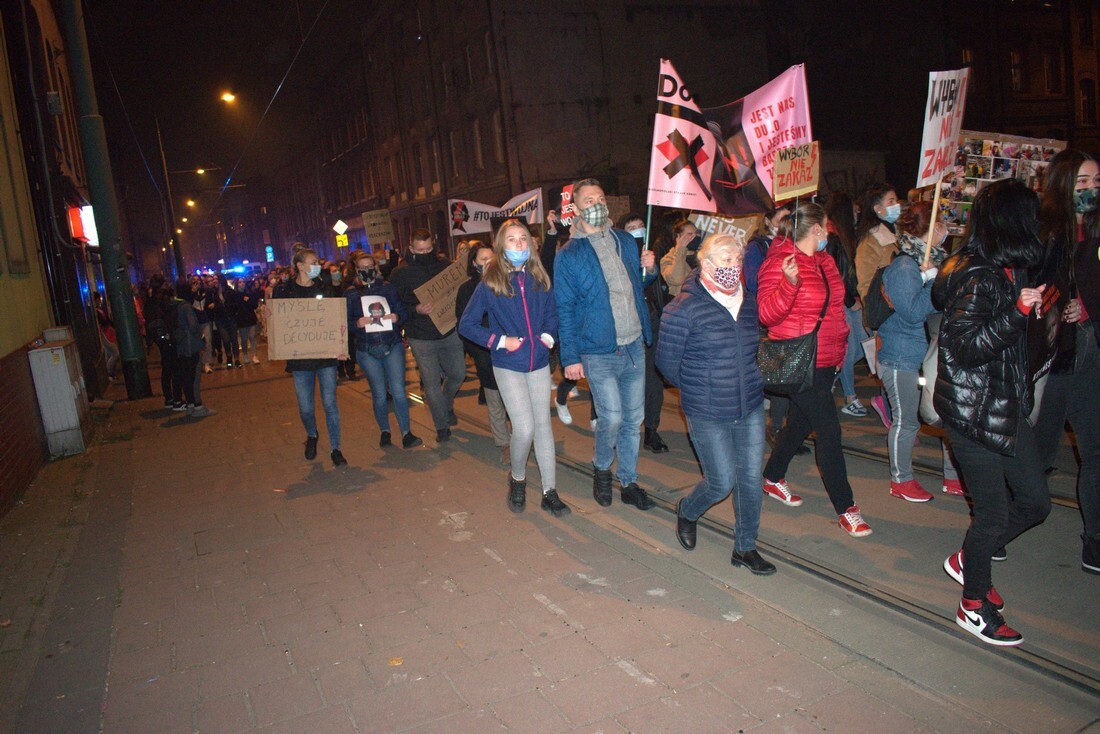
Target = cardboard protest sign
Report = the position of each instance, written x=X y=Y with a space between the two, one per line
x=743 y=228
x=749 y=132
x=797 y=171
x=378 y=225
x=307 y=328
x=376 y=308
x=943 y=118
x=567 y=213
x=682 y=155
x=468 y=217
x=442 y=292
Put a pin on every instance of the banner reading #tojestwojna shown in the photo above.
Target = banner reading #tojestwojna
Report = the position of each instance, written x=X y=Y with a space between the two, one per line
x=469 y=217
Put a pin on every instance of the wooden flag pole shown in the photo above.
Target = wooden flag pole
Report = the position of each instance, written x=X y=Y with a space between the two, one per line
x=932 y=222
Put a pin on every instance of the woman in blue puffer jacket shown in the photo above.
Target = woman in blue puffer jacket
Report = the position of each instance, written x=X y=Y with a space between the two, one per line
x=707 y=348
x=907 y=282
x=514 y=293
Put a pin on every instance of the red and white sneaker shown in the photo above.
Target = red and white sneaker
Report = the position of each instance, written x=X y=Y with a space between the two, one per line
x=780 y=491
x=852 y=522
x=910 y=491
x=952 y=487
x=981 y=619
x=954 y=567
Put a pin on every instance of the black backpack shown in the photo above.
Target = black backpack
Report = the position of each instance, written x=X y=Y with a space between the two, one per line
x=876 y=305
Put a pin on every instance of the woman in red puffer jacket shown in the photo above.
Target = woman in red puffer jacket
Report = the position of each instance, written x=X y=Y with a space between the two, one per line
x=797 y=279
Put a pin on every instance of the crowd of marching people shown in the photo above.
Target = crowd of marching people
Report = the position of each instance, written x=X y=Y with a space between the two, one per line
x=993 y=335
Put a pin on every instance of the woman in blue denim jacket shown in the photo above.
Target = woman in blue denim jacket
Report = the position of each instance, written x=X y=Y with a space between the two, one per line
x=907 y=283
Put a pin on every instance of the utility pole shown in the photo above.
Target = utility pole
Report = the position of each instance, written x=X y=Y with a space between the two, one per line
x=173 y=240
x=101 y=187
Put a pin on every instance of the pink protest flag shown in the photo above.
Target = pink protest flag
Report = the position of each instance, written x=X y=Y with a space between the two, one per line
x=682 y=154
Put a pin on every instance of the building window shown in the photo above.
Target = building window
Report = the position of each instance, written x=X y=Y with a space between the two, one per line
x=434 y=175
x=1087 y=100
x=1053 y=76
x=479 y=159
x=418 y=177
x=967 y=56
x=1084 y=22
x=469 y=64
x=452 y=151
x=448 y=81
x=1016 y=70
x=498 y=137
x=489 y=53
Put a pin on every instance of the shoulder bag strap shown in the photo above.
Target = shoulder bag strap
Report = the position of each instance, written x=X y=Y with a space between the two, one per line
x=824 y=306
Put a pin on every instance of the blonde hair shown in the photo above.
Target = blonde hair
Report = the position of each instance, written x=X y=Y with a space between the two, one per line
x=717 y=242
x=497 y=272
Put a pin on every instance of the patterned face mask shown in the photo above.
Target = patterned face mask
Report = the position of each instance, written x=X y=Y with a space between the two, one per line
x=1085 y=200
x=728 y=279
x=595 y=215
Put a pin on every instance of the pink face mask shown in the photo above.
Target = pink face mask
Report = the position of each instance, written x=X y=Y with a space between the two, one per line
x=728 y=279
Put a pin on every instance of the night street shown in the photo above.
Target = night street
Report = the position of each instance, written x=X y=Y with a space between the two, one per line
x=199 y=575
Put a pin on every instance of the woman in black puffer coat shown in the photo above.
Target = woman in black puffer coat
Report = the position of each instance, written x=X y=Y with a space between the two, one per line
x=983 y=393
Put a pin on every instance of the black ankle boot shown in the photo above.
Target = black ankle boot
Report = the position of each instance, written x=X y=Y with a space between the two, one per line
x=653 y=441
x=601 y=486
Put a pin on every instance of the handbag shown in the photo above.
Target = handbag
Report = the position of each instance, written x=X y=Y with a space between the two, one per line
x=787 y=365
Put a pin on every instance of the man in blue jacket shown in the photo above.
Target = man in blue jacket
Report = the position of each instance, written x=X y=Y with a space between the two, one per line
x=604 y=327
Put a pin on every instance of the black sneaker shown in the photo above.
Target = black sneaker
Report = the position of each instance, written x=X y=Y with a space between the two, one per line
x=601 y=486
x=1090 y=554
x=632 y=494
x=384 y=440
x=338 y=458
x=409 y=441
x=654 y=443
x=311 y=448
x=517 y=494
x=981 y=619
x=552 y=504
x=443 y=434
x=1000 y=554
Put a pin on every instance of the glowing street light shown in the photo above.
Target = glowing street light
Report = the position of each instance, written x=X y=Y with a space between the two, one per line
x=179 y=231
x=190 y=202
x=200 y=171
x=228 y=97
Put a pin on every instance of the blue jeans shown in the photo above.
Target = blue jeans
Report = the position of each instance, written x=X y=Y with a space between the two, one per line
x=856 y=335
x=732 y=456
x=617 y=382
x=387 y=374
x=303 y=387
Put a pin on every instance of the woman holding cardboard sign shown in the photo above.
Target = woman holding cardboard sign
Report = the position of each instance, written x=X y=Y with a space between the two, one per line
x=306 y=372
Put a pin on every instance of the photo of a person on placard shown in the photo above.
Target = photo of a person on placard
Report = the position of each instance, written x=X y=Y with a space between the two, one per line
x=376 y=308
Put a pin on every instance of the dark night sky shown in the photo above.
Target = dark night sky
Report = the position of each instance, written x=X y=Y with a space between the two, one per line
x=173 y=59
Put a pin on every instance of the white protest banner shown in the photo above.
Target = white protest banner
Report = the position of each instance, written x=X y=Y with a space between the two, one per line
x=307 y=328
x=442 y=292
x=742 y=228
x=378 y=225
x=797 y=171
x=749 y=132
x=468 y=217
x=682 y=154
x=943 y=118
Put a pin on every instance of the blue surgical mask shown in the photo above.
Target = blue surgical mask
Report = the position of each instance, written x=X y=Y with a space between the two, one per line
x=822 y=244
x=314 y=271
x=517 y=257
x=638 y=233
x=892 y=213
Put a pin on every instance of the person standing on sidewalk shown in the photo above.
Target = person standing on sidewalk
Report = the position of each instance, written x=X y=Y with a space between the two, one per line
x=381 y=354
x=707 y=348
x=983 y=393
x=438 y=356
x=1070 y=217
x=308 y=372
x=481 y=254
x=515 y=295
x=604 y=327
x=907 y=282
x=800 y=286
x=189 y=343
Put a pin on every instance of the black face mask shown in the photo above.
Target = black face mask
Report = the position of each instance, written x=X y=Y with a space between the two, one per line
x=692 y=259
x=694 y=243
x=420 y=258
x=368 y=275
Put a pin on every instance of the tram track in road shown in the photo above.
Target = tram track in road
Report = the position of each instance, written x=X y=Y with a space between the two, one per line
x=931 y=618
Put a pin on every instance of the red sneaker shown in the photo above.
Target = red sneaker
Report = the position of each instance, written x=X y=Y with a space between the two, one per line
x=952 y=487
x=910 y=491
x=954 y=567
x=852 y=522
x=982 y=620
x=780 y=491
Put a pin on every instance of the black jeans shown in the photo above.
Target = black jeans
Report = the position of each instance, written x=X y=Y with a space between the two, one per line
x=814 y=410
x=1076 y=397
x=167 y=368
x=999 y=511
x=186 y=379
x=654 y=389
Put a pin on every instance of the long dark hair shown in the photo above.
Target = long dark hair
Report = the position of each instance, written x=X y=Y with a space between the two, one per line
x=1056 y=213
x=868 y=218
x=475 y=246
x=843 y=219
x=1004 y=224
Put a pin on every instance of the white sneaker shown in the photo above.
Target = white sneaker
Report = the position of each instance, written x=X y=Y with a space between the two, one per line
x=207 y=369
x=201 y=411
x=563 y=413
x=255 y=360
x=595 y=423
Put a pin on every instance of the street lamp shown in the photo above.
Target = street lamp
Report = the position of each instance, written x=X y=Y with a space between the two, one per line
x=228 y=97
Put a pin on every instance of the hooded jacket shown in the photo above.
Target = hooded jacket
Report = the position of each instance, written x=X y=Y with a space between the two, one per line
x=788 y=310
x=528 y=313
